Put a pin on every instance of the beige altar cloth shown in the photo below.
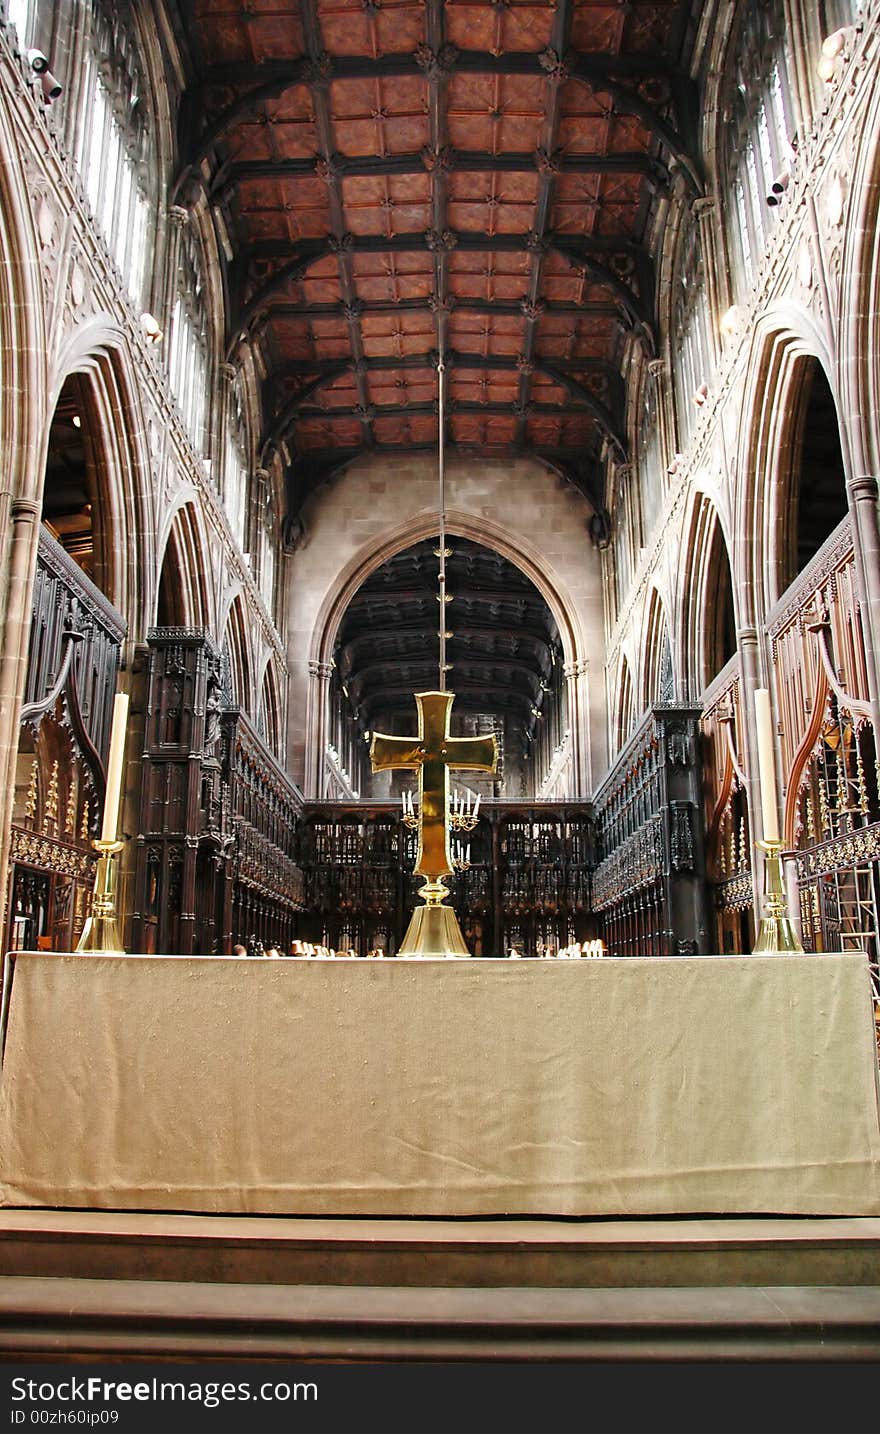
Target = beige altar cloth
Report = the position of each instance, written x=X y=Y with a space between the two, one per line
x=589 y=1087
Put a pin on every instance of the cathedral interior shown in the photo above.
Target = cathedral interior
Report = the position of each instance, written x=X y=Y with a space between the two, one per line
x=611 y=268
x=521 y=351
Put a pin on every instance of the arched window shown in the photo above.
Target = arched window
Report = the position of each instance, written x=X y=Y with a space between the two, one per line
x=188 y=345
x=20 y=13
x=758 y=133
x=116 y=148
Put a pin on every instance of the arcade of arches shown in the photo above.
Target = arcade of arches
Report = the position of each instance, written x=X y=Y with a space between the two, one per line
x=236 y=242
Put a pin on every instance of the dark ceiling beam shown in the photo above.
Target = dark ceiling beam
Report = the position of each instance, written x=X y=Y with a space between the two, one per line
x=454 y=161
x=454 y=406
x=591 y=256
x=432 y=60
x=619 y=76
x=547 y=147
x=384 y=699
x=490 y=307
x=326 y=139
x=283 y=422
x=361 y=680
x=486 y=632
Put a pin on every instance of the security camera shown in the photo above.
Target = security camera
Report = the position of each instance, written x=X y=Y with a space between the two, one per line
x=37 y=61
x=50 y=86
x=778 y=188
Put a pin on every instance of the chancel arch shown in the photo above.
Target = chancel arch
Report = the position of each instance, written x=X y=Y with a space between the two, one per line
x=580 y=660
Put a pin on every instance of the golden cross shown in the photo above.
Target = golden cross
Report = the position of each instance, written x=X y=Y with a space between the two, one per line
x=431 y=753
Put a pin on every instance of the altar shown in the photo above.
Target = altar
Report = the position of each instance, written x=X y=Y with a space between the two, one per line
x=636 y=1087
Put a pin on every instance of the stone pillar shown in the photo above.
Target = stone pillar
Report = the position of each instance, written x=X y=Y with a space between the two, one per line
x=578 y=703
x=657 y=372
x=747 y=643
x=703 y=211
x=21 y=552
x=862 y=493
x=178 y=218
x=317 y=718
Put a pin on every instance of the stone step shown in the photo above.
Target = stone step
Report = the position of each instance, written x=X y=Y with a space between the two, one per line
x=527 y=1254
x=114 y=1319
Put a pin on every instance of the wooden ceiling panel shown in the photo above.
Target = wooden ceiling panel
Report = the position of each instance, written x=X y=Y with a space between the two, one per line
x=393 y=336
x=469 y=385
x=477 y=430
x=319 y=434
x=652 y=27
x=596 y=27
x=434 y=176
x=380 y=116
x=544 y=390
x=389 y=205
x=302 y=209
x=415 y=431
x=293 y=106
x=346 y=27
x=317 y=288
x=343 y=393
x=291 y=340
x=498 y=27
x=393 y=283
x=477 y=334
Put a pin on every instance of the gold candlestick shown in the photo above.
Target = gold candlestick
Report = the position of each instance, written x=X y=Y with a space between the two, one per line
x=777 y=931
x=100 y=935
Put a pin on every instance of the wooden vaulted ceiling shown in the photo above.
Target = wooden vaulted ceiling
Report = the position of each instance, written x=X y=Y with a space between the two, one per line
x=403 y=178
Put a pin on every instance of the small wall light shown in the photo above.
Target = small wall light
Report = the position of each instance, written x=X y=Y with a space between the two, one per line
x=151 y=328
x=729 y=320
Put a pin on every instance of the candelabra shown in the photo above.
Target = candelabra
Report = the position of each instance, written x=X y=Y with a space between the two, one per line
x=777 y=930
x=462 y=814
x=100 y=934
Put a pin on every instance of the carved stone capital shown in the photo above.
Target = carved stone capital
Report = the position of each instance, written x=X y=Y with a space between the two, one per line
x=863 y=488
x=178 y=216
x=320 y=670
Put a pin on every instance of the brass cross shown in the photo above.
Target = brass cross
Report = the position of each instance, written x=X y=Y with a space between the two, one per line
x=431 y=754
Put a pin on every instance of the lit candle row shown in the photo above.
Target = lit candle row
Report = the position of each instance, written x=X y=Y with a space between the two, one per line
x=461 y=804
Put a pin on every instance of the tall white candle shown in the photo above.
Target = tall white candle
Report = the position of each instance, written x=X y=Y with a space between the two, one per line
x=766 y=765
x=477 y=804
x=110 y=826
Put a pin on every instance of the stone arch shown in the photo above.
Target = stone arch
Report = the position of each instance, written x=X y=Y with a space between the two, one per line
x=269 y=710
x=477 y=529
x=624 y=706
x=786 y=346
x=657 y=663
x=181 y=594
x=235 y=644
x=708 y=627
x=859 y=343
x=96 y=363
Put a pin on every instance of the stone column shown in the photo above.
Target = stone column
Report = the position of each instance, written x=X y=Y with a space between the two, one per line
x=21 y=551
x=317 y=718
x=862 y=493
x=747 y=643
x=703 y=211
x=578 y=703
x=178 y=218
